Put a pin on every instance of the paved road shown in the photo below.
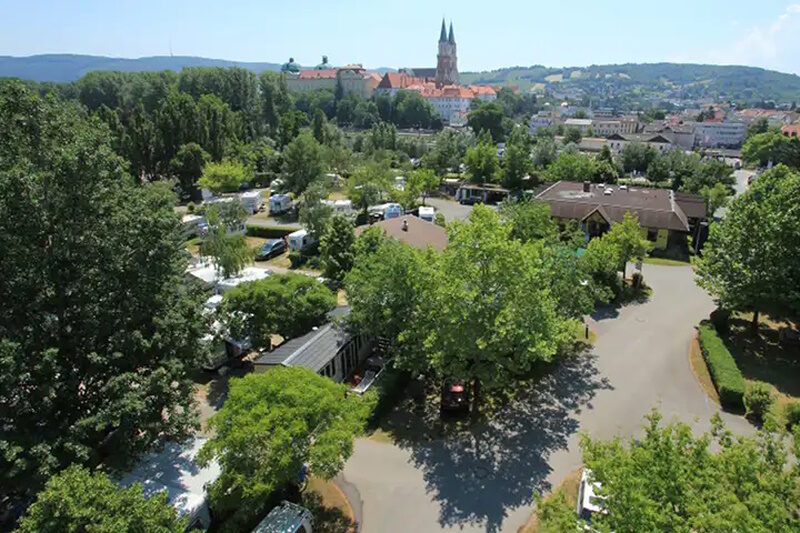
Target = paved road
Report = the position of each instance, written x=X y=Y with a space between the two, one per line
x=451 y=209
x=484 y=481
x=742 y=176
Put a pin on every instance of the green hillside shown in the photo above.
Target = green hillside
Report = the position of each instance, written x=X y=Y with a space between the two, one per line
x=667 y=80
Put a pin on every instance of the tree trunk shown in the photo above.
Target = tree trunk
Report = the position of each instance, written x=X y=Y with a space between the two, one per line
x=754 y=323
x=476 y=398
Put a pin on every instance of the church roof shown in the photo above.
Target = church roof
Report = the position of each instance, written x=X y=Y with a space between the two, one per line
x=290 y=66
x=452 y=38
x=443 y=34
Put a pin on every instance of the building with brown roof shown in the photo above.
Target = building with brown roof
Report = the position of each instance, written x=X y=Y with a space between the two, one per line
x=353 y=79
x=666 y=217
x=413 y=231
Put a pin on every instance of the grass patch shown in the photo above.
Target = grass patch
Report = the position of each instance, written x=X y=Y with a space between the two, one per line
x=254 y=242
x=280 y=261
x=663 y=261
x=580 y=334
x=332 y=512
x=568 y=487
x=700 y=371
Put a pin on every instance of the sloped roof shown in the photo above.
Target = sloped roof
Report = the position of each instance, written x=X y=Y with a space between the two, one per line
x=419 y=233
x=693 y=205
x=655 y=208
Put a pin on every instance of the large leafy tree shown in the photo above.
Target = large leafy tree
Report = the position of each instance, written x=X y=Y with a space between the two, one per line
x=750 y=259
x=98 y=330
x=76 y=500
x=482 y=162
x=570 y=166
x=517 y=162
x=187 y=166
x=302 y=162
x=336 y=249
x=773 y=147
x=225 y=176
x=491 y=314
x=285 y=304
x=274 y=423
x=629 y=240
x=227 y=248
x=488 y=117
x=671 y=480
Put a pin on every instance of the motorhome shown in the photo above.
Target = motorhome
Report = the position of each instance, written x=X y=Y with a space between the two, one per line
x=251 y=201
x=173 y=471
x=193 y=225
x=340 y=207
x=427 y=213
x=279 y=204
x=386 y=211
x=300 y=240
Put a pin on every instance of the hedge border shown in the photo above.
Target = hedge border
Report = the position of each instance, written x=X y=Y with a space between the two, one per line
x=724 y=372
x=269 y=232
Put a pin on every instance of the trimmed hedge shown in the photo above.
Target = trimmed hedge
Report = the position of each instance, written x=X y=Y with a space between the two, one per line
x=722 y=367
x=269 y=232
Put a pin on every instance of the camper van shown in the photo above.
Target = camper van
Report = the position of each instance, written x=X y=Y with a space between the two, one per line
x=286 y=518
x=279 y=203
x=427 y=213
x=174 y=472
x=251 y=201
x=340 y=207
x=193 y=225
x=386 y=211
x=300 y=240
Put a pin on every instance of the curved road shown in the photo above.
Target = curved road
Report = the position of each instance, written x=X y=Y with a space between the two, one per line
x=484 y=480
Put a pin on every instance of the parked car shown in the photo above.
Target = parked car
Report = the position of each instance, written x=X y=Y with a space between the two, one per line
x=471 y=200
x=589 y=502
x=286 y=518
x=271 y=248
x=455 y=397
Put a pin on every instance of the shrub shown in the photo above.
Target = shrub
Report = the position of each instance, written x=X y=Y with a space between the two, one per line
x=297 y=259
x=791 y=414
x=726 y=375
x=758 y=399
x=269 y=232
x=190 y=207
x=439 y=220
x=721 y=319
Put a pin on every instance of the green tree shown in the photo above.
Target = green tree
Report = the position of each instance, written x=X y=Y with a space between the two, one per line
x=187 y=166
x=661 y=482
x=98 y=330
x=449 y=148
x=418 y=183
x=491 y=314
x=658 y=171
x=368 y=184
x=217 y=125
x=302 y=162
x=749 y=262
x=716 y=197
x=275 y=100
x=482 y=162
x=637 y=157
x=319 y=126
x=78 y=500
x=629 y=240
x=530 y=221
x=760 y=125
x=571 y=167
x=773 y=147
x=225 y=176
x=517 y=161
x=488 y=117
x=227 y=248
x=270 y=426
x=288 y=305
x=336 y=249
x=706 y=175
x=572 y=134
x=313 y=213
x=544 y=153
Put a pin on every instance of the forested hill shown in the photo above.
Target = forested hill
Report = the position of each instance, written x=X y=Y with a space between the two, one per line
x=70 y=67
x=666 y=80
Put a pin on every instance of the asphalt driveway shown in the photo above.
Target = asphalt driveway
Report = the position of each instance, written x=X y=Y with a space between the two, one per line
x=485 y=480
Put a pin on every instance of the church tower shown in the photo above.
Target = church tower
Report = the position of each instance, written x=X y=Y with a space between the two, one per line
x=446 y=60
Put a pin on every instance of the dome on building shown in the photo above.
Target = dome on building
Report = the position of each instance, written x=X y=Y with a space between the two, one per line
x=324 y=65
x=291 y=66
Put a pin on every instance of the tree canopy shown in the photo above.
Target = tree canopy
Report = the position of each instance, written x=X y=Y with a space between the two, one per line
x=274 y=423
x=336 y=249
x=750 y=259
x=285 y=304
x=76 y=500
x=98 y=330
x=671 y=480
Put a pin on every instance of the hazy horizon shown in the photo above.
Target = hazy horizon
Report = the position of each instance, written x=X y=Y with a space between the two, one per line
x=394 y=36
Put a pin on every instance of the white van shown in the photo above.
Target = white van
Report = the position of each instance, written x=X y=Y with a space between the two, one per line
x=387 y=211
x=251 y=201
x=300 y=240
x=279 y=203
x=427 y=213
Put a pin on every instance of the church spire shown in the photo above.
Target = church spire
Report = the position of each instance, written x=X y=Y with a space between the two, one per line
x=443 y=34
x=452 y=38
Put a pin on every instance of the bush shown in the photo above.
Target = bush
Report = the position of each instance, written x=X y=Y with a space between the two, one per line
x=190 y=207
x=758 y=399
x=791 y=414
x=439 y=220
x=297 y=259
x=721 y=319
x=269 y=232
x=726 y=375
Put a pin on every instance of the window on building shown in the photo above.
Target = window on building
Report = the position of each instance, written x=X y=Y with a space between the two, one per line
x=652 y=234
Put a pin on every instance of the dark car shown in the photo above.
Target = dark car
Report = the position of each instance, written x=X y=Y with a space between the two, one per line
x=471 y=200
x=455 y=397
x=271 y=248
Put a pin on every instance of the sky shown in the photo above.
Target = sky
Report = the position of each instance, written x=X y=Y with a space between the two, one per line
x=560 y=33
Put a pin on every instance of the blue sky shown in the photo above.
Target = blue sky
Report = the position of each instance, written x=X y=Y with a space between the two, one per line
x=404 y=33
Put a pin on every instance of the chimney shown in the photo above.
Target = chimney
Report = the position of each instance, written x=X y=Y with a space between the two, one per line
x=586 y=186
x=405 y=224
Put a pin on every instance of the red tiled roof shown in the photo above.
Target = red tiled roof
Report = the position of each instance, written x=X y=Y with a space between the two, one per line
x=792 y=130
x=317 y=74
